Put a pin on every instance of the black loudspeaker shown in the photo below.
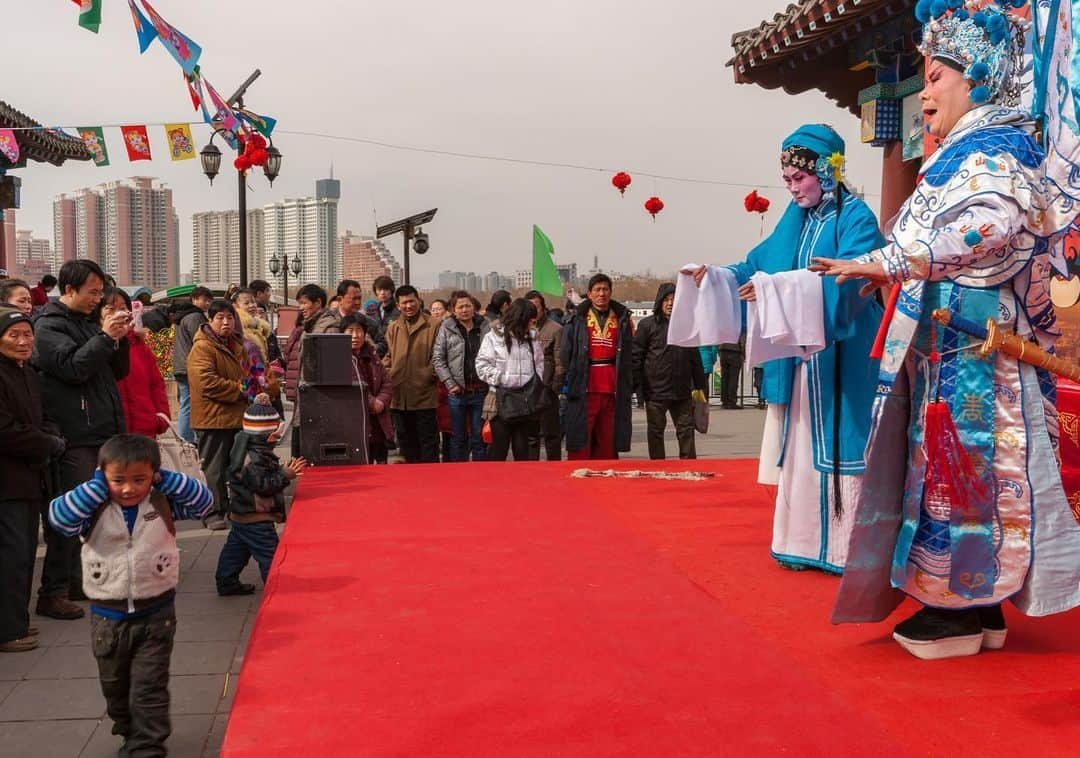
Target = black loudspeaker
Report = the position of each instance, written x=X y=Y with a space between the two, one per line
x=333 y=425
x=326 y=360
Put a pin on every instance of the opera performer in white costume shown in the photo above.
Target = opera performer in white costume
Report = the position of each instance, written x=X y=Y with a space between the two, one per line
x=814 y=338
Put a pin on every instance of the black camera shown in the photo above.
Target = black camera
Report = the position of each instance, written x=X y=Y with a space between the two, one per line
x=420 y=243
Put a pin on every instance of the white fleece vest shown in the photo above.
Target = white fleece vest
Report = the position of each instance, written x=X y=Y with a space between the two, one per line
x=137 y=566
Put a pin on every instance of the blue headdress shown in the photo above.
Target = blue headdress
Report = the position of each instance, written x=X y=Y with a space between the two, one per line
x=982 y=38
x=817 y=149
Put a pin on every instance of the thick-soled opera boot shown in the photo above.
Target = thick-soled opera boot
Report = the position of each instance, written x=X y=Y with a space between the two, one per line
x=935 y=633
x=993 y=627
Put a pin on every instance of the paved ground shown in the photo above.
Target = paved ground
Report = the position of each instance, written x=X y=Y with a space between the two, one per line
x=50 y=702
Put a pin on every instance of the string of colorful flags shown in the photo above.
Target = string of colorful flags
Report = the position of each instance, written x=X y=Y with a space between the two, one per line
x=234 y=124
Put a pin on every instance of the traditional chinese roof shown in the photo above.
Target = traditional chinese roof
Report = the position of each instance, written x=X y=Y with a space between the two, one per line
x=37 y=143
x=807 y=47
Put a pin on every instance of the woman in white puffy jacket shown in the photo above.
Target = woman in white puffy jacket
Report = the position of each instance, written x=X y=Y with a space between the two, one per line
x=509 y=357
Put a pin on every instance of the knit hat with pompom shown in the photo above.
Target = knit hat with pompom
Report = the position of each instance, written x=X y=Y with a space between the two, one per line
x=261 y=417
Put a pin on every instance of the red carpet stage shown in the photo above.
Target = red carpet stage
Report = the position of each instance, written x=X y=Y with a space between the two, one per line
x=509 y=609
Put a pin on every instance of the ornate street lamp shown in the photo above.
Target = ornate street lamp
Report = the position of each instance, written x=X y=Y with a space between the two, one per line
x=279 y=266
x=211 y=160
x=273 y=163
x=211 y=164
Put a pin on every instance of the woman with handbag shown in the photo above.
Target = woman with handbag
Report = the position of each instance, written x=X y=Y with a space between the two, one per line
x=511 y=360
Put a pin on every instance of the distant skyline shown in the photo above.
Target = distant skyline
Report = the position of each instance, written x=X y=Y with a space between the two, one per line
x=614 y=83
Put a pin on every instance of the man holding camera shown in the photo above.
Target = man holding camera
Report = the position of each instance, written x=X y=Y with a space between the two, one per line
x=79 y=364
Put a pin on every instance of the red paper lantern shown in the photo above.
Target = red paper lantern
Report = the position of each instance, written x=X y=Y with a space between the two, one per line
x=252 y=149
x=654 y=205
x=621 y=181
x=755 y=203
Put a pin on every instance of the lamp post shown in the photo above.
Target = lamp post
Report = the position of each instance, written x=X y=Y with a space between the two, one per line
x=410 y=230
x=282 y=266
x=210 y=157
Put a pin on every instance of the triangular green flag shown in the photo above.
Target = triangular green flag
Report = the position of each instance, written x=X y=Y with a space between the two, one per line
x=545 y=275
x=90 y=14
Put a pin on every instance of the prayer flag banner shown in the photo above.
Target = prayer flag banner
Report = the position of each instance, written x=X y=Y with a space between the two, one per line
x=89 y=14
x=224 y=117
x=262 y=124
x=545 y=274
x=181 y=144
x=181 y=47
x=137 y=142
x=9 y=146
x=198 y=97
x=195 y=92
x=94 y=139
x=146 y=31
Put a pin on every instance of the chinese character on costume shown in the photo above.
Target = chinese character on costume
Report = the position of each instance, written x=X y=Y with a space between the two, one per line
x=962 y=506
x=820 y=383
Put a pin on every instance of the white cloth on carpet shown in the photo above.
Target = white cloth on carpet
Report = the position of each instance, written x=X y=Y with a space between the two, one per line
x=707 y=315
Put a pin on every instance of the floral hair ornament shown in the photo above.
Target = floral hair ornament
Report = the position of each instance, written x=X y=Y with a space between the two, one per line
x=830 y=171
x=983 y=38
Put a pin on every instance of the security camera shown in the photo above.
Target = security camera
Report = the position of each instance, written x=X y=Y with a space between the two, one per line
x=420 y=243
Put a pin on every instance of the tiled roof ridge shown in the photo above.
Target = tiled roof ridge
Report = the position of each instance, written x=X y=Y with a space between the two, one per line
x=40 y=139
x=744 y=40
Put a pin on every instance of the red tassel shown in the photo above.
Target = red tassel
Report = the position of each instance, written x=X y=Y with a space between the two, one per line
x=951 y=478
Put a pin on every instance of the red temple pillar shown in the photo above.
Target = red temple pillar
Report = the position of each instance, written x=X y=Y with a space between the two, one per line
x=897 y=181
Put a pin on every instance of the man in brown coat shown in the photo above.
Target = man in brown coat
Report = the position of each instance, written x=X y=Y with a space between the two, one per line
x=410 y=345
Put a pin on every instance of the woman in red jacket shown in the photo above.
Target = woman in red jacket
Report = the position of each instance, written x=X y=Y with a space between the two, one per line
x=142 y=391
x=370 y=370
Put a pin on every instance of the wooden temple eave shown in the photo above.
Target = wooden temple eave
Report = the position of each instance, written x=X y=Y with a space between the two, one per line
x=807 y=45
x=39 y=144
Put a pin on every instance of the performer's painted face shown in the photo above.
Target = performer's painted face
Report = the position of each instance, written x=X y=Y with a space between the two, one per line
x=946 y=97
x=805 y=188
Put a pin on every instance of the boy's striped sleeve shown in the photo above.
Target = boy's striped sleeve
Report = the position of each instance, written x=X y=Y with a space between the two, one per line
x=190 y=498
x=71 y=513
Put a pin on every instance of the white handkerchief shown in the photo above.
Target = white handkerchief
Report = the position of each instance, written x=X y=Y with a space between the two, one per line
x=706 y=315
x=787 y=319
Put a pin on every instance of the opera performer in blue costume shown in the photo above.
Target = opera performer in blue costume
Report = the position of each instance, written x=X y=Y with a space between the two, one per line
x=962 y=506
x=818 y=415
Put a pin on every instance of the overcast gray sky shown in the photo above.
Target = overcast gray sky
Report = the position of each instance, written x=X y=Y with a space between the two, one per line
x=625 y=84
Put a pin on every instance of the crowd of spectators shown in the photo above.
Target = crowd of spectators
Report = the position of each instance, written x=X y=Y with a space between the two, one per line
x=452 y=381
x=83 y=395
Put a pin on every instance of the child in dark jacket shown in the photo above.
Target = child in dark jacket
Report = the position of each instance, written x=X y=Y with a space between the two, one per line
x=257 y=483
x=131 y=565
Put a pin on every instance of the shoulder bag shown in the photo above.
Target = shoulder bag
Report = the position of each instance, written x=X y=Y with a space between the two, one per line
x=529 y=400
x=179 y=455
